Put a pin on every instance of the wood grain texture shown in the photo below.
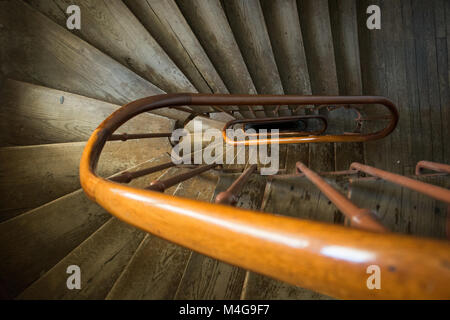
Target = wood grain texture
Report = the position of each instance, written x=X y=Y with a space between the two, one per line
x=407 y=61
x=209 y=23
x=156 y=269
x=249 y=28
x=285 y=33
x=207 y=278
x=42 y=52
x=286 y=37
x=35 y=241
x=403 y=210
x=103 y=26
x=166 y=23
x=344 y=26
x=101 y=258
x=34 y=175
x=316 y=28
x=31 y=114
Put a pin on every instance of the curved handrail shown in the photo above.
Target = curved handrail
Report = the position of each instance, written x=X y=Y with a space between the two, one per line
x=280 y=120
x=323 y=101
x=326 y=258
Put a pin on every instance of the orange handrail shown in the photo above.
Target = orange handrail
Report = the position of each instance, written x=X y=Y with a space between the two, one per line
x=311 y=100
x=326 y=258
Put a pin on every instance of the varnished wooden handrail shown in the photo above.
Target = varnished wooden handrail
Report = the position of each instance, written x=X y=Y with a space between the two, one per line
x=326 y=258
x=323 y=101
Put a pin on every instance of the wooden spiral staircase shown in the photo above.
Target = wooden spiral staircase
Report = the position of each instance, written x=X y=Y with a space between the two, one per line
x=57 y=86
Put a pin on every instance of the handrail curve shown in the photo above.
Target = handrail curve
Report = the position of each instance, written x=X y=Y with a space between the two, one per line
x=327 y=258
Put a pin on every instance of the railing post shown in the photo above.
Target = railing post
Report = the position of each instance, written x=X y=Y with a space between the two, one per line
x=359 y=217
x=230 y=196
x=162 y=185
x=434 y=166
x=126 y=136
x=127 y=177
x=430 y=190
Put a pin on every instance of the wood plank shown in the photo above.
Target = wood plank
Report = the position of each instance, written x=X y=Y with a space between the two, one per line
x=166 y=23
x=403 y=210
x=295 y=197
x=443 y=61
x=156 y=269
x=344 y=26
x=34 y=175
x=401 y=61
x=285 y=33
x=207 y=278
x=31 y=114
x=428 y=78
x=247 y=22
x=209 y=23
x=101 y=258
x=103 y=27
x=317 y=37
x=35 y=241
x=42 y=52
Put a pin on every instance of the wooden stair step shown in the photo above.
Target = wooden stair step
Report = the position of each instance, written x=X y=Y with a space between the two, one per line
x=249 y=28
x=32 y=114
x=32 y=243
x=401 y=209
x=207 y=278
x=166 y=23
x=156 y=269
x=101 y=258
x=34 y=175
x=209 y=23
x=344 y=24
x=43 y=52
x=132 y=46
x=300 y=198
x=315 y=25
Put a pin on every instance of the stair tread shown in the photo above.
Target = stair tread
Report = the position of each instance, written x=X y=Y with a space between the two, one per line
x=32 y=114
x=56 y=58
x=168 y=26
x=401 y=209
x=101 y=258
x=300 y=198
x=247 y=22
x=209 y=23
x=46 y=234
x=34 y=175
x=207 y=278
x=156 y=269
x=316 y=29
x=106 y=33
x=295 y=197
